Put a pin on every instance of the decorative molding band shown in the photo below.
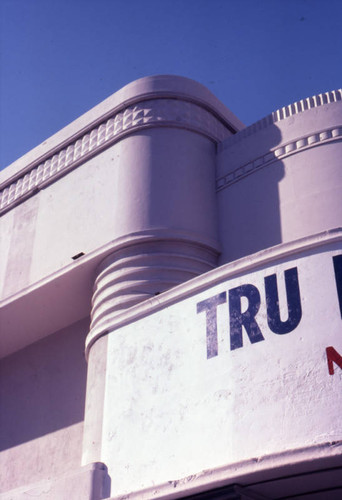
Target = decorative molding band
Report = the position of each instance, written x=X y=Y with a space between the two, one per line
x=142 y=270
x=285 y=112
x=279 y=153
x=146 y=114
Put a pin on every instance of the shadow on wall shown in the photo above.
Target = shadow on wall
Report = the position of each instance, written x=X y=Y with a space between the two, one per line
x=248 y=193
x=42 y=387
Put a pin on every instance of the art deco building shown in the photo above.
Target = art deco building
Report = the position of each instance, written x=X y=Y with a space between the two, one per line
x=171 y=315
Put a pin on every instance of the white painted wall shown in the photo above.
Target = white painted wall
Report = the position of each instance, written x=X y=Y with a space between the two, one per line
x=170 y=412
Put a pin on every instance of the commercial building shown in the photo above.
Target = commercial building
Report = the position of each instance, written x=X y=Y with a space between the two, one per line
x=171 y=315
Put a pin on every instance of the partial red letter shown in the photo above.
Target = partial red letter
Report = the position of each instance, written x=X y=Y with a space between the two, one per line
x=333 y=357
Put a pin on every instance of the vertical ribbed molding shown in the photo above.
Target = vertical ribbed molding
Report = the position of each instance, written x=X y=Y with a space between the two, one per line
x=168 y=219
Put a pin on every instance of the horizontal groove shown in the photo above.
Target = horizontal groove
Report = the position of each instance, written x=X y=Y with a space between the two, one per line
x=121 y=300
x=132 y=275
x=142 y=269
x=149 y=251
x=151 y=286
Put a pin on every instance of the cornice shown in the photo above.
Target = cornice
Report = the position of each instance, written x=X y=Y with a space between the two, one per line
x=158 y=112
x=279 y=153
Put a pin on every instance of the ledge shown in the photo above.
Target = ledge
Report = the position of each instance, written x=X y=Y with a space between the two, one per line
x=313 y=459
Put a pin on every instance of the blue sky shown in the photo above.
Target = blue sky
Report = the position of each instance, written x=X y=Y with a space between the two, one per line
x=59 y=58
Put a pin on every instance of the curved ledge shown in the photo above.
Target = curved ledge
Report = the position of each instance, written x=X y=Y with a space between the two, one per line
x=211 y=278
x=255 y=470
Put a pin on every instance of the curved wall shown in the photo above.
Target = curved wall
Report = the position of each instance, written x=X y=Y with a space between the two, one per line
x=281 y=178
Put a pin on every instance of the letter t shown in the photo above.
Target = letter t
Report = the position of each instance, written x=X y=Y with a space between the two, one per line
x=210 y=307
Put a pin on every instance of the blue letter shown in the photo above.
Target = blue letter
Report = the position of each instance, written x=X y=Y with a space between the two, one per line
x=293 y=302
x=337 y=260
x=246 y=319
x=210 y=307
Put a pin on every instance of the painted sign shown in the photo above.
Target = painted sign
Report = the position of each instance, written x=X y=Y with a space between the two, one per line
x=239 y=320
x=242 y=369
x=246 y=320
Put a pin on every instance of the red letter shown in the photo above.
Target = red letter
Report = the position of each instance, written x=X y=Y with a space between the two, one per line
x=333 y=357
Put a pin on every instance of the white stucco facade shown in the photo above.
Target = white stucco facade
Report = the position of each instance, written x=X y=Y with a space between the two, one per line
x=171 y=302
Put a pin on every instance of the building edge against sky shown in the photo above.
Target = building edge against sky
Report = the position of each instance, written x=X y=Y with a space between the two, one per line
x=197 y=263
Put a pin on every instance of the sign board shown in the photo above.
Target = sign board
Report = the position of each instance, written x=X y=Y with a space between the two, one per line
x=246 y=368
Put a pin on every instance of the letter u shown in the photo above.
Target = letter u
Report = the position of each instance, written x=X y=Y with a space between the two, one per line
x=275 y=324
